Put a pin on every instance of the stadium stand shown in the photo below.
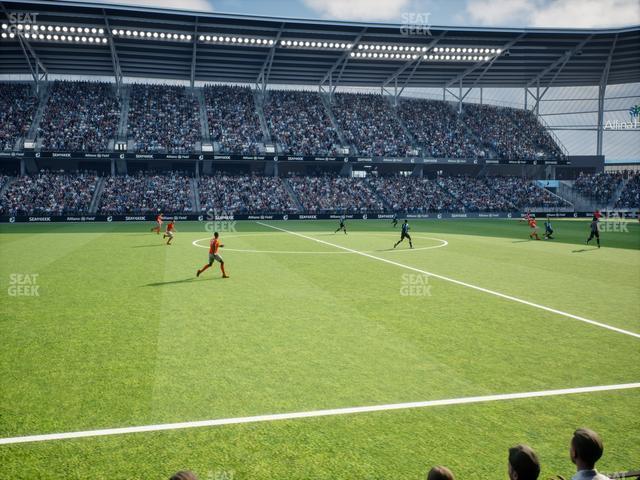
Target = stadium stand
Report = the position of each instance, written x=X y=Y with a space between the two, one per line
x=415 y=195
x=80 y=117
x=243 y=194
x=630 y=195
x=600 y=186
x=163 y=119
x=493 y=194
x=438 y=129
x=512 y=133
x=370 y=125
x=329 y=193
x=233 y=121
x=299 y=123
x=17 y=108
x=49 y=193
x=146 y=193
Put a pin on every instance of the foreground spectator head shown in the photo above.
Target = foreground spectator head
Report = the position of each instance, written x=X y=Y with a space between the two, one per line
x=586 y=448
x=440 y=473
x=184 y=475
x=523 y=463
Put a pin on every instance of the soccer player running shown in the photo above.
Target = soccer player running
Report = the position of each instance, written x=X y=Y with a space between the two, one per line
x=534 y=228
x=170 y=231
x=214 y=245
x=395 y=220
x=342 y=225
x=595 y=230
x=404 y=233
x=158 y=223
x=548 y=230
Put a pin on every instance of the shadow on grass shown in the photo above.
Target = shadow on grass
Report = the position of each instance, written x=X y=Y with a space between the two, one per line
x=185 y=280
x=584 y=250
x=144 y=246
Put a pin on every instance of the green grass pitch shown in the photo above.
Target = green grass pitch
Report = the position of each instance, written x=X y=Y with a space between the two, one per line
x=122 y=334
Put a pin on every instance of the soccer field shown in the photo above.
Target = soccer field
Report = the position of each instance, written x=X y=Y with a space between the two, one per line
x=116 y=331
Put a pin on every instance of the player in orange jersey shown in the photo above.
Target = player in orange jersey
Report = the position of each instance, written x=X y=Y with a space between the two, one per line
x=158 y=223
x=171 y=228
x=214 y=245
x=534 y=228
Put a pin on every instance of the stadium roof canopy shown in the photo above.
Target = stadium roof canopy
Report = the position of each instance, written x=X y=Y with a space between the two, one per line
x=124 y=41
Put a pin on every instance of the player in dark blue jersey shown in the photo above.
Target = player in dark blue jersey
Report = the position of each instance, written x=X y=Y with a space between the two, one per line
x=404 y=233
x=395 y=220
x=548 y=230
x=595 y=230
x=342 y=225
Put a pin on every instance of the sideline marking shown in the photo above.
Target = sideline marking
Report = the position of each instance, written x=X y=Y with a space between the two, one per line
x=312 y=414
x=464 y=284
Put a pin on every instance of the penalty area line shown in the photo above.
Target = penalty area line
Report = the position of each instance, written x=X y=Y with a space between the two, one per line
x=461 y=283
x=313 y=414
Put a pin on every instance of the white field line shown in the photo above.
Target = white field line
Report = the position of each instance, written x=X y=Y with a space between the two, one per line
x=464 y=284
x=312 y=414
x=195 y=243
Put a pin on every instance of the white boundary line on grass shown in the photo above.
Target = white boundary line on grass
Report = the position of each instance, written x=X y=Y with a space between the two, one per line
x=312 y=414
x=443 y=243
x=458 y=282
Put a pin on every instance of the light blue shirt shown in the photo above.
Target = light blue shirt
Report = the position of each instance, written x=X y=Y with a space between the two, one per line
x=589 y=475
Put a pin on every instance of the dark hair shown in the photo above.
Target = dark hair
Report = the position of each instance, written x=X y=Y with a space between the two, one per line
x=587 y=445
x=184 y=475
x=215 y=234
x=525 y=462
x=440 y=473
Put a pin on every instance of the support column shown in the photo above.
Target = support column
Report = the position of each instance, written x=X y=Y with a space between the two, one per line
x=602 y=89
x=113 y=167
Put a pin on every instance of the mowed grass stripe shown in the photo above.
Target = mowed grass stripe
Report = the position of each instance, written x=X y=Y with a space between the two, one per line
x=464 y=284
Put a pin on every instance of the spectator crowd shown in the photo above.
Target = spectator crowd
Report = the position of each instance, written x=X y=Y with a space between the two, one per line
x=299 y=123
x=172 y=192
x=84 y=116
x=369 y=123
x=630 y=195
x=146 y=193
x=330 y=193
x=233 y=120
x=243 y=194
x=598 y=186
x=49 y=193
x=80 y=117
x=438 y=129
x=163 y=119
x=511 y=133
x=17 y=108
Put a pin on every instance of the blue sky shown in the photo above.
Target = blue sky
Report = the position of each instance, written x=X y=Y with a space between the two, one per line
x=516 y=13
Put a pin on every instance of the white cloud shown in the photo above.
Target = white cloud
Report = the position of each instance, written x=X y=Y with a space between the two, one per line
x=367 y=10
x=554 y=13
x=499 y=12
x=197 y=5
x=588 y=13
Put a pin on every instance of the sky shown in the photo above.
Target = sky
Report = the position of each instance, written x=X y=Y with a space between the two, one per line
x=490 y=13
